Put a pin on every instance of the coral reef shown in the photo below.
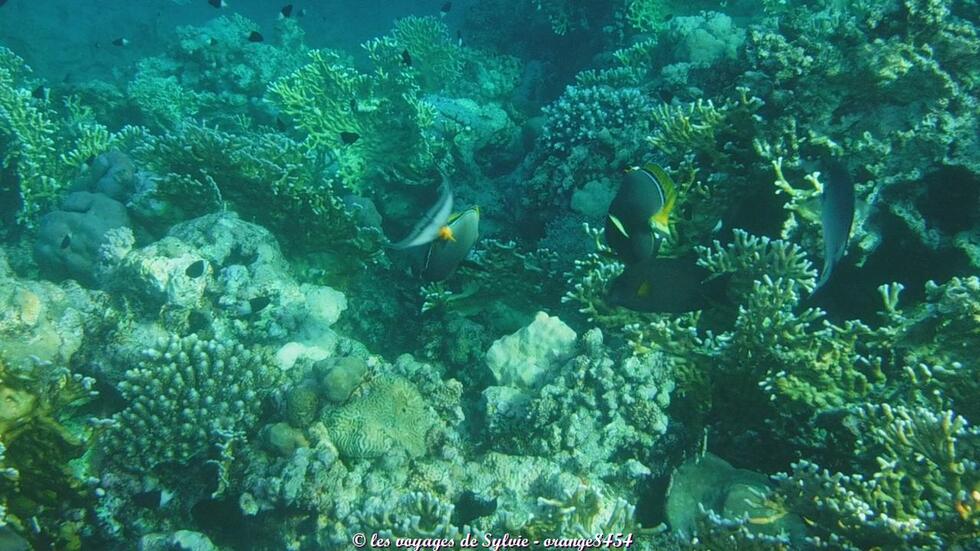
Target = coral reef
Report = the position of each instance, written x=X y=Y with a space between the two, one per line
x=188 y=399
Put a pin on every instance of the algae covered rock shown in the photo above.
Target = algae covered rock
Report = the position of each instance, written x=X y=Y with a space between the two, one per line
x=389 y=415
x=525 y=357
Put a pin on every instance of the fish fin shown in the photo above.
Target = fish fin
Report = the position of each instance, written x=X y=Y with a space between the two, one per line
x=427 y=229
x=619 y=226
x=661 y=219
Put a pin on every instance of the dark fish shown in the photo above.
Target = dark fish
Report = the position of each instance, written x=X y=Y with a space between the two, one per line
x=406 y=58
x=195 y=269
x=459 y=38
x=218 y=3
x=349 y=137
x=148 y=500
x=470 y=506
x=286 y=10
x=445 y=8
x=40 y=92
x=2 y=2
x=451 y=246
x=10 y=540
x=666 y=285
x=642 y=205
x=257 y=304
x=256 y=36
x=281 y=126
x=836 y=217
x=120 y=42
x=213 y=41
x=66 y=241
x=427 y=229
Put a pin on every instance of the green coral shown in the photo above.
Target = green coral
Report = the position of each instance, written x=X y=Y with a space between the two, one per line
x=45 y=147
x=924 y=493
x=435 y=60
x=329 y=99
x=202 y=168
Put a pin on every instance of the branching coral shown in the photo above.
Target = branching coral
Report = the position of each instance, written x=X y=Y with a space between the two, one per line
x=202 y=167
x=433 y=58
x=46 y=148
x=375 y=125
x=187 y=400
x=925 y=492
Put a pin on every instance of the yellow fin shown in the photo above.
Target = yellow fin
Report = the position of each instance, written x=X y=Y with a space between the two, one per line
x=644 y=289
x=619 y=226
x=661 y=219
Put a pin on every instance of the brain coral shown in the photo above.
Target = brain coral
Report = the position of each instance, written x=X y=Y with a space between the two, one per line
x=389 y=414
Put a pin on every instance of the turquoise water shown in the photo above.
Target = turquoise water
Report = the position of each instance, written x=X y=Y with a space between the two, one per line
x=507 y=274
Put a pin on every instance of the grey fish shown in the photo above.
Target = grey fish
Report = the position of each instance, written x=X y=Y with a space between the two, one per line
x=453 y=244
x=427 y=229
x=10 y=540
x=836 y=217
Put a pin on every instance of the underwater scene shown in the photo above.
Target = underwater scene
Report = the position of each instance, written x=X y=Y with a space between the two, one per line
x=489 y=274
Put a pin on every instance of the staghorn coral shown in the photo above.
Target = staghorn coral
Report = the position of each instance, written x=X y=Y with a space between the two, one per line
x=924 y=492
x=187 y=399
x=46 y=147
x=205 y=168
x=436 y=60
x=328 y=97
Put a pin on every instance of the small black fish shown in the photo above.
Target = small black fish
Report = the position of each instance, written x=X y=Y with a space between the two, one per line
x=218 y=3
x=40 y=92
x=286 y=10
x=255 y=37
x=2 y=2
x=257 y=304
x=445 y=8
x=406 y=58
x=353 y=105
x=213 y=41
x=120 y=42
x=349 y=137
x=470 y=506
x=66 y=241
x=195 y=269
x=280 y=126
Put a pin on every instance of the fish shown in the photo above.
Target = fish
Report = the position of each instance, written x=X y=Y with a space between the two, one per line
x=445 y=9
x=429 y=227
x=286 y=11
x=640 y=209
x=2 y=2
x=40 y=92
x=836 y=218
x=667 y=285
x=452 y=245
x=349 y=137
x=10 y=540
x=406 y=58
x=218 y=3
x=120 y=42
x=256 y=36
